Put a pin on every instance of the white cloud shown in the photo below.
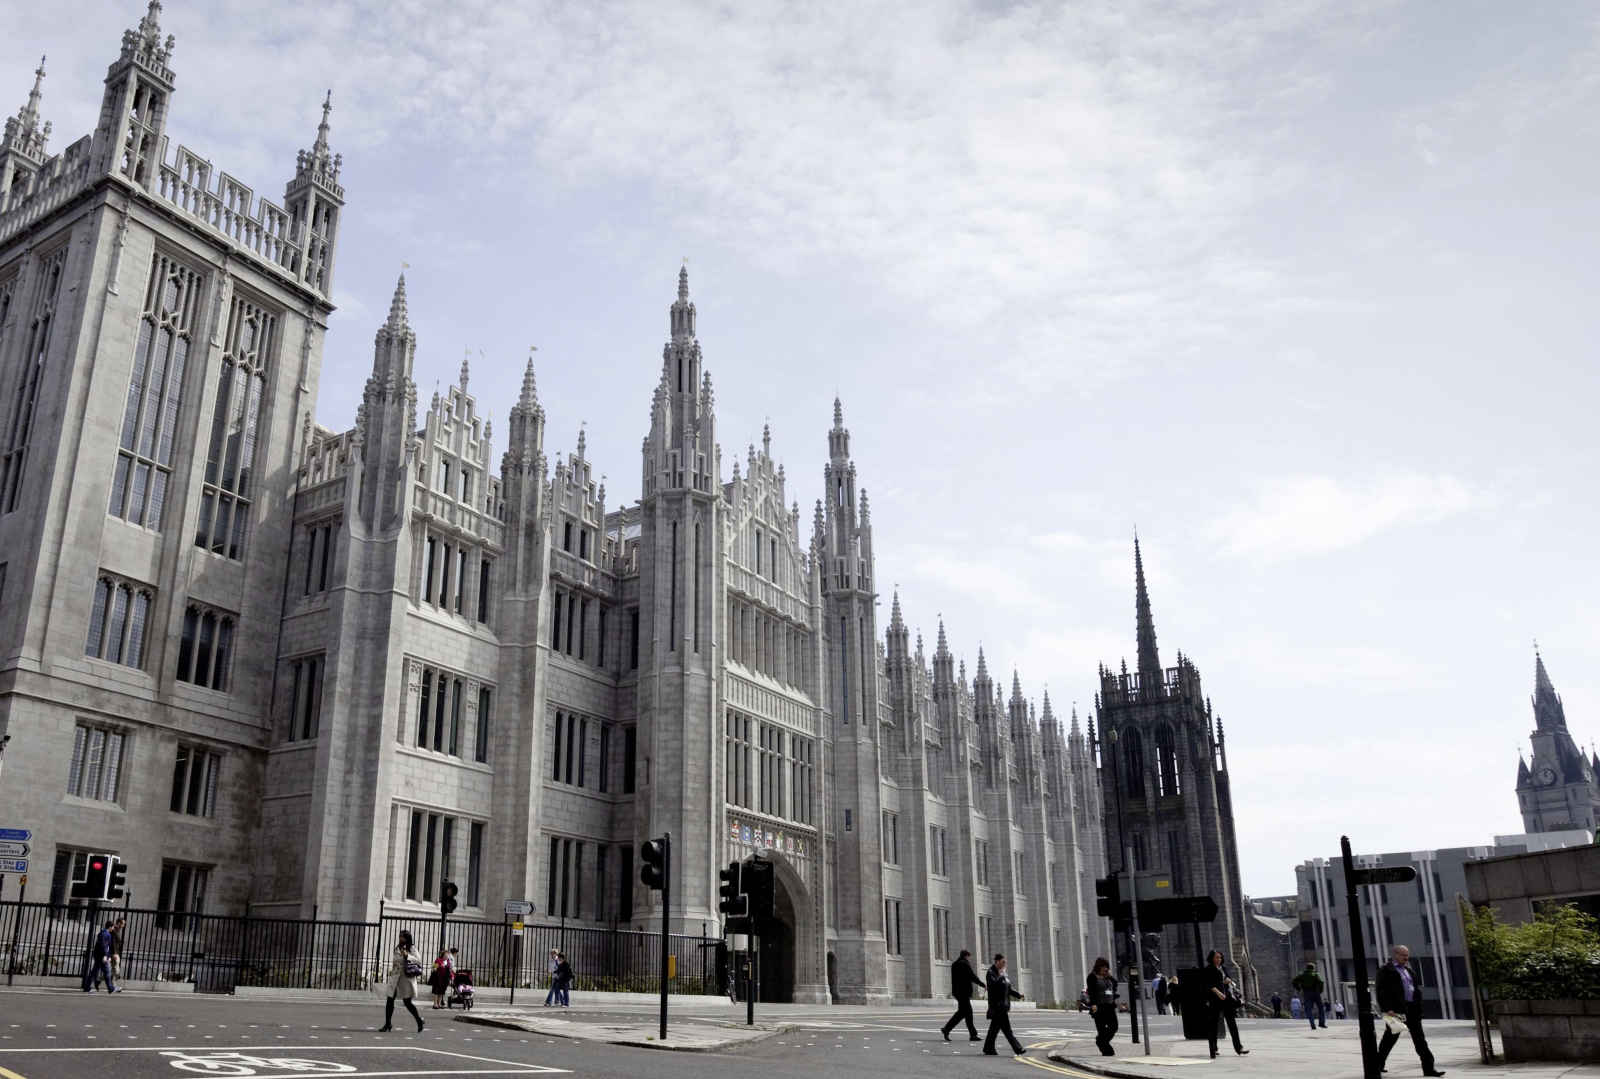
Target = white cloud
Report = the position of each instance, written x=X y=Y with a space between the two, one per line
x=1296 y=516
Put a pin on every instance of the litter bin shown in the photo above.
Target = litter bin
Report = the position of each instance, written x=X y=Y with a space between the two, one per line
x=1198 y=1017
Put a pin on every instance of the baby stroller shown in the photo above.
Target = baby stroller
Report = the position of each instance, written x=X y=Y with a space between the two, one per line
x=462 y=991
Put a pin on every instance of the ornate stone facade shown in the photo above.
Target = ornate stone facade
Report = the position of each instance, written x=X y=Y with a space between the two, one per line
x=331 y=668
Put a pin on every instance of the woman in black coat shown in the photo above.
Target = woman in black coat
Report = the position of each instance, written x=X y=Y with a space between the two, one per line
x=1101 y=991
x=1222 y=995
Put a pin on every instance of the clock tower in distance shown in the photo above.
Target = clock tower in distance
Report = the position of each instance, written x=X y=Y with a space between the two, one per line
x=1560 y=789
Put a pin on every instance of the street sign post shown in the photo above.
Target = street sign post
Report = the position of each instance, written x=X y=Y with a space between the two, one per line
x=19 y=835
x=11 y=848
x=516 y=907
x=13 y=865
x=1386 y=874
x=1358 y=952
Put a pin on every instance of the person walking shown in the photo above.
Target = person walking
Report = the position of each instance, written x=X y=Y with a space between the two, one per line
x=1158 y=989
x=553 y=997
x=1309 y=982
x=962 y=979
x=1400 y=1001
x=1277 y=1006
x=564 y=978
x=1224 y=1001
x=118 y=928
x=100 y=962
x=1338 y=1009
x=998 y=982
x=405 y=967
x=1101 y=991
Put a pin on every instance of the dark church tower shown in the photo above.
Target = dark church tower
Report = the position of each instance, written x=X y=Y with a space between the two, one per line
x=1560 y=789
x=1159 y=739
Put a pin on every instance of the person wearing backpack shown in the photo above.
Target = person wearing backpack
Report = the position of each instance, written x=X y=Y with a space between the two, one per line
x=404 y=970
x=100 y=965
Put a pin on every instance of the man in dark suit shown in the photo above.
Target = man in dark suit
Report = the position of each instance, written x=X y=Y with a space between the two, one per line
x=962 y=979
x=1000 y=994
x=1400 y=994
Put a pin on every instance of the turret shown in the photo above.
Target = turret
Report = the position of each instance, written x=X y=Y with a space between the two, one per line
x=133 y=109
x=1548 y=712
x=1149 y=658
x=680 y=451
x=22 y=147
x=314 y=200
x=387 y=421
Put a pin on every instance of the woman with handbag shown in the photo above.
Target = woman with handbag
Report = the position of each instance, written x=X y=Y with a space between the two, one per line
x=1223 y=996
x=404 y=970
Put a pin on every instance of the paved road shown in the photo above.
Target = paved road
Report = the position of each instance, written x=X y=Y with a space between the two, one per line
x=60 y=1034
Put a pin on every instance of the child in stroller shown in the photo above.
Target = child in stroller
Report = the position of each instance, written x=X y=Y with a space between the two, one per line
x=462 y=993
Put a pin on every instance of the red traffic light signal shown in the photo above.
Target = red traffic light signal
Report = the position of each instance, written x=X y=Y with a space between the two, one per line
x=96 y=876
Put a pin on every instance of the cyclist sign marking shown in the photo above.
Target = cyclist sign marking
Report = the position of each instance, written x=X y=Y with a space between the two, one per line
x=193 y=1063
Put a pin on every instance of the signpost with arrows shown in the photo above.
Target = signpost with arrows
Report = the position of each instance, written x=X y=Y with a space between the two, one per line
x=1395 y=874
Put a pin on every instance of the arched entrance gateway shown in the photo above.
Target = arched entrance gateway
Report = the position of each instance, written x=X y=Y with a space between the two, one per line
x=790 y=954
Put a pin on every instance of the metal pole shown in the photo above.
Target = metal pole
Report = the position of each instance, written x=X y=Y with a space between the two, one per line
x=377 y=945
x=1127 y=865
x=1479 y=1020
x=16 y=933
x=750 y=979
x=666 y=922
x=1138 y=948
x=1358 y=953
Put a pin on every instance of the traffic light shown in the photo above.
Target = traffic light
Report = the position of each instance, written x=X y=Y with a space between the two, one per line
x=653 y=856
x=733 y=902
x=96 y=874
x=1110 y=897
x=447 y=897
x=758 y=888
x=117 y=881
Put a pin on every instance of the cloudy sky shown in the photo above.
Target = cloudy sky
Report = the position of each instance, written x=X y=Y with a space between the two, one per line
x=1299 y=291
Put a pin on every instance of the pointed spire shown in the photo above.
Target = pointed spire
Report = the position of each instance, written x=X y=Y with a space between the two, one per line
x=143 y=43
x=895 y=621
x=466 y=368
x=683 y=281
x=942 y=648
x=1049 y=716
x=529 y=397
x=23 y=133
x=766 y=440
x=983 y=667
x=1016 y=685
x=1149 y=659
x=1076 y=731
x=682 y=314
x=1548 y=711
x=838 y=414
x=398 y=316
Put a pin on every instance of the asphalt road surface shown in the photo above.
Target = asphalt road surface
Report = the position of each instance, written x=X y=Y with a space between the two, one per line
x=60 y=1034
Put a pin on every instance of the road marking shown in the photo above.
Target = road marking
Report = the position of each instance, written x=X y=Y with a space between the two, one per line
x=7 y=1073
x=1056 y=1068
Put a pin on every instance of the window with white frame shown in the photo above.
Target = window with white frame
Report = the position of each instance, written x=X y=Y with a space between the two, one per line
x=891 y=926
x=937 y=863
x=118 y=617
x=981 y=861
x=891 y=838
x=194 y=781
x=96 y=768
x=941 y=933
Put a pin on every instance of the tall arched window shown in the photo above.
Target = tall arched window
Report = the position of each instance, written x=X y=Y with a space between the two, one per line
x=1133 y=761
x=230 y=461
x=1166 y=762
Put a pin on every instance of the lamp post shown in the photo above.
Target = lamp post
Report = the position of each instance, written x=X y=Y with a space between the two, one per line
x=1135 y=1008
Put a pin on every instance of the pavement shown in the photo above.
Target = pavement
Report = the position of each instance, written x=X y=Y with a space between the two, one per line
x=692 y=1036
x=1289 y=1048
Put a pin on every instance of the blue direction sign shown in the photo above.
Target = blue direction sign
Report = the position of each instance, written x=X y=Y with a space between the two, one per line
x=21 y=835
x=13 y=865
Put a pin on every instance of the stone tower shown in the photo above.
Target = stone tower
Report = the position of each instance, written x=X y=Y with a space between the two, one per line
x=1162 y=755
x=849 y=621
x=680 y=580
x=1560 y=789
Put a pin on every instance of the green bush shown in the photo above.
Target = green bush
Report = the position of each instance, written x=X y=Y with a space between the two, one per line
x=1554 y=957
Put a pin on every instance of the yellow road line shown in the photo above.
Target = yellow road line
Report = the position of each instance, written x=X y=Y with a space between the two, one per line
x=7 y=1073
x=1056 y=1068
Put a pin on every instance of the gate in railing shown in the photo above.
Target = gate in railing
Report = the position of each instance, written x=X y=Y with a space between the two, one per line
x=219 y=952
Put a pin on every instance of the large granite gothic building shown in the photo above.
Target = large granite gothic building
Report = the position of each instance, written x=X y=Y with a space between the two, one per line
x=1560 y=789
x=306 y=669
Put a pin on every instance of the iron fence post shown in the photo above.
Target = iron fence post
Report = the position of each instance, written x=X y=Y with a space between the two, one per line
x=312 y=950
x=377 y=946
x=16 y=932
x=244 y=949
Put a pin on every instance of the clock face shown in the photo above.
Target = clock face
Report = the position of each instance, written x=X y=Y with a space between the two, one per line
x=1546 y=776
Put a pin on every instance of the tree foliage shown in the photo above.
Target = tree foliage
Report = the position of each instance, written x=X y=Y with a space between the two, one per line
x=1554 y=957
